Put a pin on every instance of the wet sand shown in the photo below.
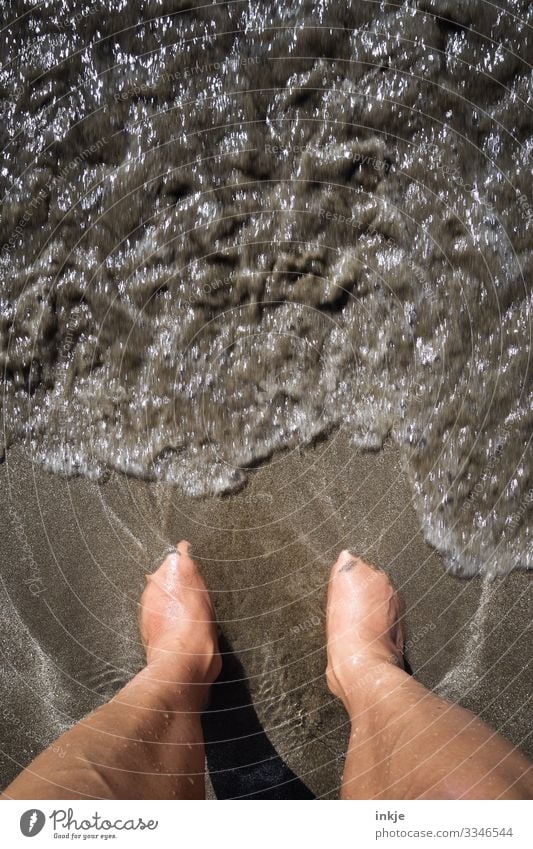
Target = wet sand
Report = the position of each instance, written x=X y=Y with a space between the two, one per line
x=74 y=556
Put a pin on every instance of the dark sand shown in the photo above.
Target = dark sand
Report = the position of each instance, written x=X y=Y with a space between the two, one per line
x=74 y=556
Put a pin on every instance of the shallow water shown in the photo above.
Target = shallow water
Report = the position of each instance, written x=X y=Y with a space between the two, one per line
x=232 y=229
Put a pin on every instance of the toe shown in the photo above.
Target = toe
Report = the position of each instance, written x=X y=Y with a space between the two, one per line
x=165 y=576
x=347 y=561
x=188 y=568
x=178 y=568
x=183 y=548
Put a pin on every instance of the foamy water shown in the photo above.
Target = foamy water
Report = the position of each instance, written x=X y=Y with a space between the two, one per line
x=231 y=230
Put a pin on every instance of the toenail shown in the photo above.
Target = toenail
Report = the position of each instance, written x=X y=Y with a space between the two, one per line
x=350 y=560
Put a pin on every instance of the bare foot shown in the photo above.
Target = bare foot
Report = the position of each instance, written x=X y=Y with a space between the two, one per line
x=177 y=619
x=363 y=627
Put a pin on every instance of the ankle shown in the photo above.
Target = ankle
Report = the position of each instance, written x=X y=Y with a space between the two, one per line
x=199 y=664
x=364 y=684
x=171 y=688
x=185 y=667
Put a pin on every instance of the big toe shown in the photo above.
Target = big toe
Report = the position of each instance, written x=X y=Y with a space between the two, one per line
x=354 y=581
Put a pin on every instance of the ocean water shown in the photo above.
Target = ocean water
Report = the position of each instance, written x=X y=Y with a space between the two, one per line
x=229 y=229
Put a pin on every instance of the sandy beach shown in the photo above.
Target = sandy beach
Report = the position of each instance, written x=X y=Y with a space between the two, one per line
x=75 y=553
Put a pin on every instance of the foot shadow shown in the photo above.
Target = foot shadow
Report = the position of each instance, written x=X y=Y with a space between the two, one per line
x=242 y=761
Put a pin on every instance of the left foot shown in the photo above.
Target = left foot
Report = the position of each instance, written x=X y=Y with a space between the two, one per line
x=177 y=619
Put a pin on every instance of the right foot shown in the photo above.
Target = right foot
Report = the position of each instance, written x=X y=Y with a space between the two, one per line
x=364 y=632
